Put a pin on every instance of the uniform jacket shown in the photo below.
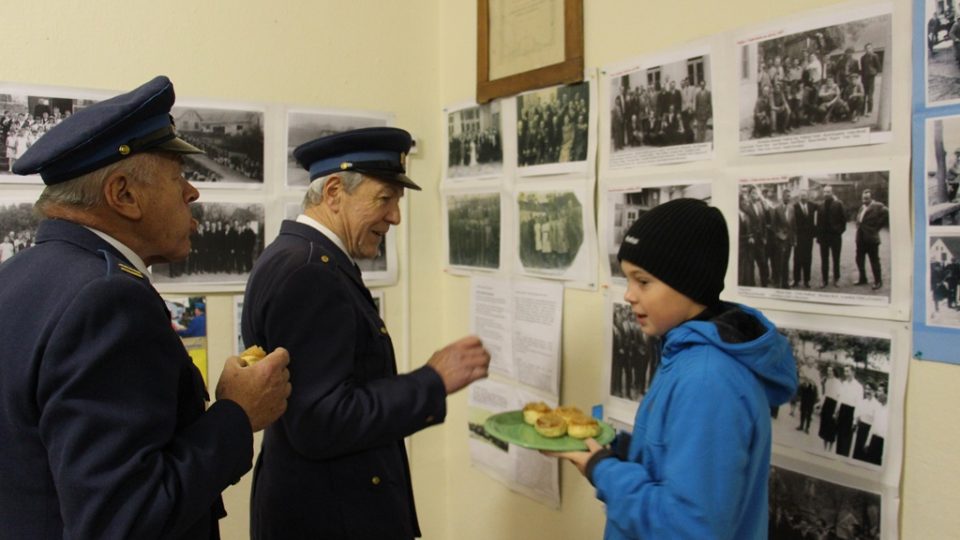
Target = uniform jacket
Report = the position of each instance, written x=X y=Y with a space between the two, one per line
x=334 y=465
x=699 y=457
x=101 y=409
x=803 y=221
x=830 y=218
x=875 y=217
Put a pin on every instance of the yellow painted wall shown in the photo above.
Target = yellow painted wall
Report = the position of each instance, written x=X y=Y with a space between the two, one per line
x=412 y=58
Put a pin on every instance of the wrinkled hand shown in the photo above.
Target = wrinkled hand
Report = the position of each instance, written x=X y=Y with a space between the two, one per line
x=460 y=363
x=261 y=390
x=579 y=459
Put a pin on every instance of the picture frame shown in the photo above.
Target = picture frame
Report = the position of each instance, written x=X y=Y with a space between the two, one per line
x=498 y=77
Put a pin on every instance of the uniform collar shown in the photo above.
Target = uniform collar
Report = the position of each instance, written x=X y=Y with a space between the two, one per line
x=123 y=249
x=332 y=236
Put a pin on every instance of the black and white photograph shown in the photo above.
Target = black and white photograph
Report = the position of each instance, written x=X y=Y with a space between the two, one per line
x=232 y=141
x=820 y=85
x=943 y=171
x=943 y=304
x=816 y=238
x=551 y=230
x=841 y=409
x=25 y=116
x=634 y=356
x=473 y=230
x=553 y=125
x=229 y=237
x=942 y=52
x=803 y=506
x=304 y=126
x=18 y=227
x=661 y=113
x=625 y=204
x=475 y=142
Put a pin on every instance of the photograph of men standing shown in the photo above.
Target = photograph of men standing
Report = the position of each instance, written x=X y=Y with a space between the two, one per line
x=335 y=465
x=871 y=217
x=804 y=233
x=831 y=220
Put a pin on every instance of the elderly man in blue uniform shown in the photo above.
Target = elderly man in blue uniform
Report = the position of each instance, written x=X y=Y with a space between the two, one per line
x=335 y=466
x=104 y=427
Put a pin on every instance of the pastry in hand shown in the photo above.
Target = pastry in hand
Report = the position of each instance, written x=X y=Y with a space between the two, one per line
x=551 y=425
x=252 y=355
x=582 y=427
x=534 y=410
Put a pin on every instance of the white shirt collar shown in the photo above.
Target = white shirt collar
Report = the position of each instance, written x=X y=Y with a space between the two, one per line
x=124 y=250
x=332 y=236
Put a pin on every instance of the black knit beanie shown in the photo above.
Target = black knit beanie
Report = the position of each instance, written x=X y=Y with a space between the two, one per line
x=683 y=243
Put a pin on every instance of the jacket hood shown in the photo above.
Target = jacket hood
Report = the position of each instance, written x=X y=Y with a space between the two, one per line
x=748 y=338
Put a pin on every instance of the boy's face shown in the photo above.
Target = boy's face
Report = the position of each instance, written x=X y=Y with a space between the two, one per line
x=657 y=306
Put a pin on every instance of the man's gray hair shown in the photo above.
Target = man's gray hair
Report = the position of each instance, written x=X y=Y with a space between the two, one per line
x=350 y=179
x=86 y=191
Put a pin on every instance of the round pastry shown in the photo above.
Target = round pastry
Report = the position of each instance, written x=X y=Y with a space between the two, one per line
x=551 y=425
x=568 y=412
x=582 y=426
x=252 y=355
x=534 y=410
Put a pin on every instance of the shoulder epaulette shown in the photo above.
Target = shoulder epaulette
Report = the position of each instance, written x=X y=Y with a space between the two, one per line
x=114 y=264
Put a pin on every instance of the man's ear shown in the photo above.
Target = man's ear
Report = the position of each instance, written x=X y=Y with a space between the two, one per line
x=123 y=195
x=333 y=191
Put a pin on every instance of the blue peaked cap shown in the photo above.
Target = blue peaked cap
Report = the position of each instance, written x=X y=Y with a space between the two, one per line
x=380 y=152
x=107 y=132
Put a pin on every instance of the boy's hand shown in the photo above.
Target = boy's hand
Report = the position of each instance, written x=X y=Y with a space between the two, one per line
x=579 y=459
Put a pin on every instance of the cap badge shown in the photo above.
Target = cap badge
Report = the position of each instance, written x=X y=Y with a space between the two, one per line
x=124 y=149
x=345 y=165
x=403 y=159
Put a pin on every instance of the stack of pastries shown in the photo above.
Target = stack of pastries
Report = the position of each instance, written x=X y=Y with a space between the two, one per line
x=561 y=421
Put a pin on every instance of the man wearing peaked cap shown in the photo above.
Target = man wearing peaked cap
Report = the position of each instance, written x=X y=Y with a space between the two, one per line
x=105 y=433
x=335 y=466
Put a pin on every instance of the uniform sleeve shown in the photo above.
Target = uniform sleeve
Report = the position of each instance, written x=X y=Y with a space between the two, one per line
x=693 y=469
x=111 y=389
x=331 y=411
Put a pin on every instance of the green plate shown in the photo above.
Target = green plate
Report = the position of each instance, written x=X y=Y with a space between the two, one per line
x=510 y=427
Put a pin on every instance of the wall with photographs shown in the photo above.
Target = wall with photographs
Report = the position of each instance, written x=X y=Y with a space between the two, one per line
x=294 y=56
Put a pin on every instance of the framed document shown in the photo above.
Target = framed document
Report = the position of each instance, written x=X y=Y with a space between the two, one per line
x=527 y=44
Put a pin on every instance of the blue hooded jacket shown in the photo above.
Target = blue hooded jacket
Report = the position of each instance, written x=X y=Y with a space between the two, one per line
x=699 y=457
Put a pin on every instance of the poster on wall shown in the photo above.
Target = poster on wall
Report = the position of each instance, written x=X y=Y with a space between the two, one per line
x=228 y=239
x=626 y=200
x=232 y=139
x=554 y=129
x=631 y=358
x=658 y=110
x=474 y=142
x=941 y=83
x=188 y=317
x=304 y=125
x=815 y=83
x=27 y=112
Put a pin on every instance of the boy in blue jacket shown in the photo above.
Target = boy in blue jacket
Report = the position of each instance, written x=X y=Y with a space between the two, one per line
x=696 y=465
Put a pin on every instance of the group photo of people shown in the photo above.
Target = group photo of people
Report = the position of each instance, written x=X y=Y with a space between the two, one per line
x=634 y=356
x=229 y=237
x=943 y=171
x=474 y=141
x=18 y=228
x=551 y=229
x=823 y=79
x=232 y=141
x=25 y=118
x=943 y=51
x=826 y=234
x=943 y=302
x=473 y=227
x=665 y=105
x=553 y=125
x=841 y=406
x=808 y=508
